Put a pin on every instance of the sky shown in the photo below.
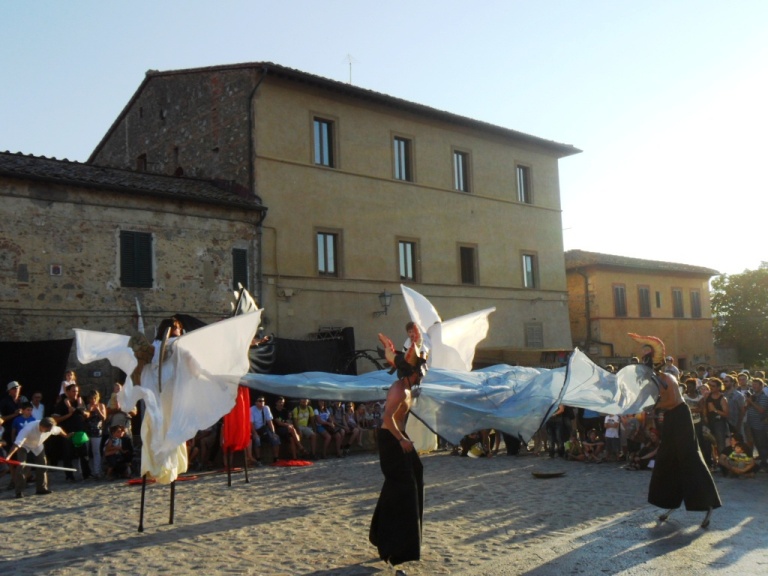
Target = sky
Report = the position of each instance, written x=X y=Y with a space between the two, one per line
x=667 y=99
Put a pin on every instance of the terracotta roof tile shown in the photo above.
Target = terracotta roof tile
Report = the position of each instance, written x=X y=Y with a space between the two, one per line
x=88 y=175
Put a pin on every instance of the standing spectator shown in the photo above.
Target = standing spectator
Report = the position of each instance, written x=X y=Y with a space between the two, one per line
x=757 y=410
x=717 y=413
x=22 y=420
x=38 y=408
x=29 y=445
x=736 y=405
x=304 y=421
x=289 y=435
x=69 y=378
x=557 y=433
x=694 y=399
x=69 y=414
x=743 y=380
x=10 y=408
x=95 y=416
x=262 y=428
x=670 y=368
x=612 y=440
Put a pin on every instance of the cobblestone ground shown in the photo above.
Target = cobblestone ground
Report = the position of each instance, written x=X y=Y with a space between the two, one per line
x=483 y=516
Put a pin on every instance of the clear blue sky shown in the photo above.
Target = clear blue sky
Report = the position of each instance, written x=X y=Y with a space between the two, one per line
x=666 y=98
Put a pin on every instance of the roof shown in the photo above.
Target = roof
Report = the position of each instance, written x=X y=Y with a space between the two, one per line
x=271 y=69
x=66 y=172
x=580 y=259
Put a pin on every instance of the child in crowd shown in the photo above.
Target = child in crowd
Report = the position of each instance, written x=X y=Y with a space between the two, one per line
x=593 y=447
x=573 y=449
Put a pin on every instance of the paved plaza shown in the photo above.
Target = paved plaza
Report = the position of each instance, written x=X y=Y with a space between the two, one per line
x=483 y=516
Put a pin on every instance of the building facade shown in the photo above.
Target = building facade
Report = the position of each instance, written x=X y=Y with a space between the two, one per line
x=81 y=246
x=610 y=296
x=365 y=192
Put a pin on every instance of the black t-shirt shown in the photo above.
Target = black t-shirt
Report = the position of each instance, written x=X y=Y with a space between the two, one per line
x=75 y=423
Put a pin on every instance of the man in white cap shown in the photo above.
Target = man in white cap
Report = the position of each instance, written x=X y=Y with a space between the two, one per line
x=670 y=368
x=29 y=445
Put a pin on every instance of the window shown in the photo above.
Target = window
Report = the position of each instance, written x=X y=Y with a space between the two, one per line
x=658 y=299
x=524 y=185
x=468 y=264
x=327 y=253
x=460 y=171
x=403 y=161
x=695 y=304
x=406 y=253
x=644 y=301
x=534 y=335
x=677 y=303
x=239 y=268
x=530 y=271
x=324 y=142
x=136 y=259
x=141 y=163
x=619 y=300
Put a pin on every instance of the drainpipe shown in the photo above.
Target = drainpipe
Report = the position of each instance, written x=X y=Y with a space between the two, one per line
x=252 y=186
x=588 y=316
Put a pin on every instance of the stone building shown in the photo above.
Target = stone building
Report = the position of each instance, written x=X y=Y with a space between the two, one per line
x=610 y=296
x=80 y=245
x=365 y=191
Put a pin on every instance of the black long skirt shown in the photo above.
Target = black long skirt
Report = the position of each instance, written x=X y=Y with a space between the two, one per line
x=396 y=523
x=680 y=473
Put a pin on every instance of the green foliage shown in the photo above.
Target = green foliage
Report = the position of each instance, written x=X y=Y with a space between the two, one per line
x=740 y=310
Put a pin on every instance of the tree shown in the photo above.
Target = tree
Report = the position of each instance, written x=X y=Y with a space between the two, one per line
x=740 y=310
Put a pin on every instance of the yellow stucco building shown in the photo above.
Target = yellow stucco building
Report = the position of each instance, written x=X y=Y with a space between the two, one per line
x=365 y=191
x=610 y=296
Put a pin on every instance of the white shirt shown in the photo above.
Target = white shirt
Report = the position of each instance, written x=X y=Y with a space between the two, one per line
x=612 y=432
x=259 y=418
x=31 y=438
x=39 y=412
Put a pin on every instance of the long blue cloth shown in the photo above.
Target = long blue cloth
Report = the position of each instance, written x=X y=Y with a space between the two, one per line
x=512 y=399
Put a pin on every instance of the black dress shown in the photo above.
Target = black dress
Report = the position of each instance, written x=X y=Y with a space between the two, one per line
x=680 y=474
x=396 y=523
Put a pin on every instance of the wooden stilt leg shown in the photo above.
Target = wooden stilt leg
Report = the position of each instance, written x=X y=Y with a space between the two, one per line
x=245 y=465
x=228 y=463
x=141 y=511
x=173 y=500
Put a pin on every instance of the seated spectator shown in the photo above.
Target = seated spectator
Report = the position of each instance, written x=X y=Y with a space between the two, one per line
x=593 y=447
x=737 y=462
x=376 y=416
x=573 y=449
x=304 y=421
x=327 y=429
x=339 y=413
x=353 y=427
x=647 y=453
x=362 y=416
x=118 y=453
x=288 y=434
x=263 y=429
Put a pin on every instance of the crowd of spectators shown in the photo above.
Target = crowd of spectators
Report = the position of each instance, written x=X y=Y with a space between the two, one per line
x=729 y=410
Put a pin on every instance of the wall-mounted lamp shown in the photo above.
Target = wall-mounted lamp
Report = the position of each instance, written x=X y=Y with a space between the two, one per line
x=385 y=301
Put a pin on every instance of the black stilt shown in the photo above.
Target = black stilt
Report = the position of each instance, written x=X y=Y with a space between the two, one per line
x=228 y=464
x=141 y=512
x=245 y=466
x=173 y=501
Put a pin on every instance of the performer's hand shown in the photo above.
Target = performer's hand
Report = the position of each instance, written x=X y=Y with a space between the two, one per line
x=406 y=445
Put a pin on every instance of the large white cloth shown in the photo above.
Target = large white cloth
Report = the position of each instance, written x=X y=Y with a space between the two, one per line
x=194 y=387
